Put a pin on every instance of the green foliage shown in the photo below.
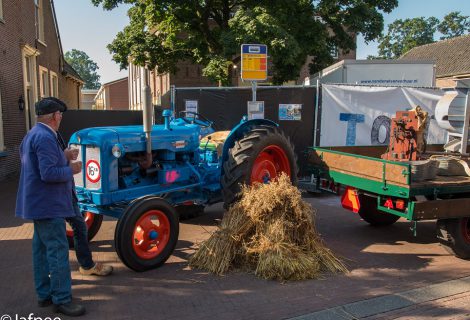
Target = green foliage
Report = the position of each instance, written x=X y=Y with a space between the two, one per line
x=210 y=32
x=404 y=35
x=454 y=25
x=85 y=67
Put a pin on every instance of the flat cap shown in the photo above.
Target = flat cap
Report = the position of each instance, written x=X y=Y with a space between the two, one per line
x=50 y=105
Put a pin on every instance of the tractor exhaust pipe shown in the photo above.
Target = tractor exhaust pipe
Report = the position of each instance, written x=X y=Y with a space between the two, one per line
x=147 y=118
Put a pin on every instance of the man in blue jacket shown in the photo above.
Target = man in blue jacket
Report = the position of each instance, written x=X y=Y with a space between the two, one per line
x=44 y=196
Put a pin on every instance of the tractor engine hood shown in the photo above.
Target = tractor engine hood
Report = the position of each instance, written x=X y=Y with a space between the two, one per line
x=132 y=138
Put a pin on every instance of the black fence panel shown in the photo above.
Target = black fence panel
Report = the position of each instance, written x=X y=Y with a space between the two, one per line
x=227 y=106
x=75 y=120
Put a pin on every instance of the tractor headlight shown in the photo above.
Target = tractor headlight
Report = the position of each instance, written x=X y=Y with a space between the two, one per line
x=118 y=151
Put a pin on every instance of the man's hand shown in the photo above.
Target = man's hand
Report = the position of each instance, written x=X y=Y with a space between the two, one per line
x=76 y=167
x=71 y=154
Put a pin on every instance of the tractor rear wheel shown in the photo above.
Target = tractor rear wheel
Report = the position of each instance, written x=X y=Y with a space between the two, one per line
x=93 y=223
x=146 y=234
x=454 y=236
x=369 y=213
x=261 y=155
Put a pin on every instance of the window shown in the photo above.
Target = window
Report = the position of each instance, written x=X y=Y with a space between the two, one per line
x=30 y=83
x=54 y=84
x=1 y=19
x=43 y=82
x=39 y=20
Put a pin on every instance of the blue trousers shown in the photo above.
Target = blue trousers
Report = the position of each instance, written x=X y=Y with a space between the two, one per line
x=80 y=239
x=51 y=261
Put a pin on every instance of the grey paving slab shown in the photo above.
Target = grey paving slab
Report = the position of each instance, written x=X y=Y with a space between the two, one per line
x=366 y=308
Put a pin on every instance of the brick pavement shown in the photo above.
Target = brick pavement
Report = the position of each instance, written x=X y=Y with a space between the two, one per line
x=381 y=261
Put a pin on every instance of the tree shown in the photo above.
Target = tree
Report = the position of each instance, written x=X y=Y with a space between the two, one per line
x=209 y=32
x=85 y=67
x=454 y=25
x=404 y=35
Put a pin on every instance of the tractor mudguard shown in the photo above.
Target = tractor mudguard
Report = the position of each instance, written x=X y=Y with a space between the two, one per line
x=238 y=132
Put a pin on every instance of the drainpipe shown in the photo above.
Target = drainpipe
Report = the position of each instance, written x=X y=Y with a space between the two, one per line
x=147 y=118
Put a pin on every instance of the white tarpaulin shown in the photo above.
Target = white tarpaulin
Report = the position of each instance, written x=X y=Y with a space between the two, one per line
x=360 y=115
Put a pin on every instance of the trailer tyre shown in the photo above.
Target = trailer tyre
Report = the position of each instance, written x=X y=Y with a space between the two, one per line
x=146 y=234
x=93 y=223
x=262 y=154
x=454 y=236
x=369 y=213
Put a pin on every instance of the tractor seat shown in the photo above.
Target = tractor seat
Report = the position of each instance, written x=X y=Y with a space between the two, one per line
x=215 y=143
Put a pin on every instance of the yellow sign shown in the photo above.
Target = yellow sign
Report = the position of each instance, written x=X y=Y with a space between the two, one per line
x=254 y=62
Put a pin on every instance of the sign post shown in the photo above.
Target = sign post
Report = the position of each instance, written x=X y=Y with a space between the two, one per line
x=254 y=67
x=254 y=64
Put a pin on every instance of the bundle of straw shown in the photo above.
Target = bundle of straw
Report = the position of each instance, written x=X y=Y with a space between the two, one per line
x=217 y=253
x=270 y=232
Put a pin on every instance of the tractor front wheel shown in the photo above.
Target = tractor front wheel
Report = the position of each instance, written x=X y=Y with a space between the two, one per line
x=454 y=236
x=262 y=154
x=146 y=234
x=369 y=212
x=93 y=223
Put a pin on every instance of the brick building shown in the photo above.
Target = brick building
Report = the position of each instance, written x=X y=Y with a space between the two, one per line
x=190 y=75
x=31 y=66
x=113 y=95
x=88 y=99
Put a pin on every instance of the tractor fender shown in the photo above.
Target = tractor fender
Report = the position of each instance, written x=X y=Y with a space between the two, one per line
x=238 y=131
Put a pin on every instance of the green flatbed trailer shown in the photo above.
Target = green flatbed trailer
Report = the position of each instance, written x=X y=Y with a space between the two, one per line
x=382 y=191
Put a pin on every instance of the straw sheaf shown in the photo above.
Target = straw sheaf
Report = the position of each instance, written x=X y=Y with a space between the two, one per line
x=270 y=232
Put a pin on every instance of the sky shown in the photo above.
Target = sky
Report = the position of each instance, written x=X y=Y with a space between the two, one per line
x=88 y=28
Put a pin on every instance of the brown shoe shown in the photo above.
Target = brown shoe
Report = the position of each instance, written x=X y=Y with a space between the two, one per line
x=98 y=269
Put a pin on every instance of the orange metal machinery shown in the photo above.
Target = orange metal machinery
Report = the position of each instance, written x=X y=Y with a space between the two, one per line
x=407 y=135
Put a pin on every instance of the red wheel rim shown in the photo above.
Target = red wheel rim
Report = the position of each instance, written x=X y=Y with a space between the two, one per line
x=89 y=217
x=465 y=225
x=269 y=164
x=151 y=234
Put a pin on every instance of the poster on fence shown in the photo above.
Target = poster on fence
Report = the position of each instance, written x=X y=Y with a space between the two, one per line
x=191 y=105
x=353 y=115
x=255 y=110
x=290 y=112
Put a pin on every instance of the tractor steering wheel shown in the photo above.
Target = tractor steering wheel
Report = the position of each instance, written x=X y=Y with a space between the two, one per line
x=197 y=118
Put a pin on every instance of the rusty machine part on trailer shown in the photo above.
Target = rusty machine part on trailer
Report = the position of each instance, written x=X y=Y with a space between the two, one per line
x=407 y=138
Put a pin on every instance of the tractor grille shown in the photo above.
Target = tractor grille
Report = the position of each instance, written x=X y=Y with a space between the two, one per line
x=90 y=176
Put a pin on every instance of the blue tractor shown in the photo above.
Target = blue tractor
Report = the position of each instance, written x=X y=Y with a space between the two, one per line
x=146 y=176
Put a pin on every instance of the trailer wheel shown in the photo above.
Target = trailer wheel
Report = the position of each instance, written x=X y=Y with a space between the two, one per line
x=262 y=154
x=146 y=234
x=369 y=213
x=454 y=236
x=93 y=223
